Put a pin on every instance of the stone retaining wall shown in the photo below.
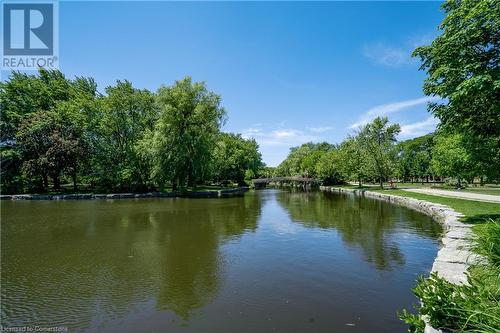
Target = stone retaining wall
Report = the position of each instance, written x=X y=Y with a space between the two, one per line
x=90 y=196
x=454 y=256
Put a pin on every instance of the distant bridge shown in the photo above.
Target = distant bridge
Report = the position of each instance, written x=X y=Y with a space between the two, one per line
x=300 y=181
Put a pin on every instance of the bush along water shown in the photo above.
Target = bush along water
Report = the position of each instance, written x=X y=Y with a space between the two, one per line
x=474 y=307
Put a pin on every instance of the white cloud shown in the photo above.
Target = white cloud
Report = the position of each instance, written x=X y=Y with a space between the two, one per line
x=419 y=128
x=320 y=129
x=385 y=109
x=387 y=55
x=278 y=137
x=396 y=56
x=275 y=142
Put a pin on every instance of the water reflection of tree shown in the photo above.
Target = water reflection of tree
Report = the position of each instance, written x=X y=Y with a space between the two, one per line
x=76 y=263
x=193 y=262
x=362 y=222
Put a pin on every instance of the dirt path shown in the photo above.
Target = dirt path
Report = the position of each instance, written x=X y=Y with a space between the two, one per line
x=457 y=194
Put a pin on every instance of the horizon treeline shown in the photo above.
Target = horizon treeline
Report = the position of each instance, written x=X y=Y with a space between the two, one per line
x=373 y=155
x=57 y=131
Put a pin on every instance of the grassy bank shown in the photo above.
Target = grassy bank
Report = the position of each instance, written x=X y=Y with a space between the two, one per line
x=490 y=189
x=464 y=308
x=474 y=211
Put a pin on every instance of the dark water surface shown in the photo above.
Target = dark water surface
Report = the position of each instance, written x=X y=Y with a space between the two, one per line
x=270 y=261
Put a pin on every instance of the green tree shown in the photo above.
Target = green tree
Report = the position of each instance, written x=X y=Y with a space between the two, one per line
x=185 y=133
x=235 y=158
x=462 y=65
x=450 y=158
x=302 y=160
x=24 y=94
x=126 y=113
x=45 y=102
x=354 y=164
x=377 y=140
x=414 y=157
x=329 y=169
x=266 y=172
x=52 y=142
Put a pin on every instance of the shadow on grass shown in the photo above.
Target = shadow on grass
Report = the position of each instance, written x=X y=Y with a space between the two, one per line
x=480 y=218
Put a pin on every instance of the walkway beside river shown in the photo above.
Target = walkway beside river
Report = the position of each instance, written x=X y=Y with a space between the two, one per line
x=457 y=194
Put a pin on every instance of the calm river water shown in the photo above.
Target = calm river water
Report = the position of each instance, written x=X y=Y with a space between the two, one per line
x=270 y=261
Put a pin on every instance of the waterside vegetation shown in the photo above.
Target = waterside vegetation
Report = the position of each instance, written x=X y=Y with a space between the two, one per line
x=57 y=131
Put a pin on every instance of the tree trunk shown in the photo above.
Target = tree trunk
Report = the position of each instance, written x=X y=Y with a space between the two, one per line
x=191 y=182
x=45 y=182
x=381 y=183
x=359 y=182
x=57 y=182
x=75 y=187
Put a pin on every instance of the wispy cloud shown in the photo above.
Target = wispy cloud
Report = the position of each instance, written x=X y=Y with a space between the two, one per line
x=278 y=136
x=275 y=141
x=419 y=128
x=395 y=55
x=320 y=129
x=387 y=55
x=385 y=109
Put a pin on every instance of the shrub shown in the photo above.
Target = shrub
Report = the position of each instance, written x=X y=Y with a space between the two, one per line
x=474 y=307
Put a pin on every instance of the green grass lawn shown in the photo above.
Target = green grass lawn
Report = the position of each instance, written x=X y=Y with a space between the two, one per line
x=210 y=188
x=474 y=211
x=480 y=190
x=486 y=189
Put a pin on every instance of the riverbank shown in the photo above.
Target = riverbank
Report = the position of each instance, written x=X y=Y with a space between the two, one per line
x=459 y=293
x=90 y=196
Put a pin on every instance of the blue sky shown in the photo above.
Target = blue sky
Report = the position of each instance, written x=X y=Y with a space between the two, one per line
x=288 y=72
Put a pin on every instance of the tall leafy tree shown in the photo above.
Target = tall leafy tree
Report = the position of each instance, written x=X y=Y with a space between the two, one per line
x=126 y=114
x=329 y=168
x=302 y=160
x=186 y=132
x=377 y=139
x=414 y=157
x=354 y=162
x=233 y=156
x=463 y=67
x=450 y=158
x=24 y=94
x=43 y=118
x=53 y=142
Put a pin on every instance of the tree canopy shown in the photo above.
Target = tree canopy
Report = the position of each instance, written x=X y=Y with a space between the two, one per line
x=56 y=130
x=462 y=66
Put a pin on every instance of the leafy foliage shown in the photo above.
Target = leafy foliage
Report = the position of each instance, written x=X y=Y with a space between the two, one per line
x=185 y=133
x=462 y=65
x=487 y=241
x=472 y=307
x=55 y=129
x=126 y=113
x=377 y=139
x=235 y=159
x=451 y=158
x=414 y=158
x=315 y=160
